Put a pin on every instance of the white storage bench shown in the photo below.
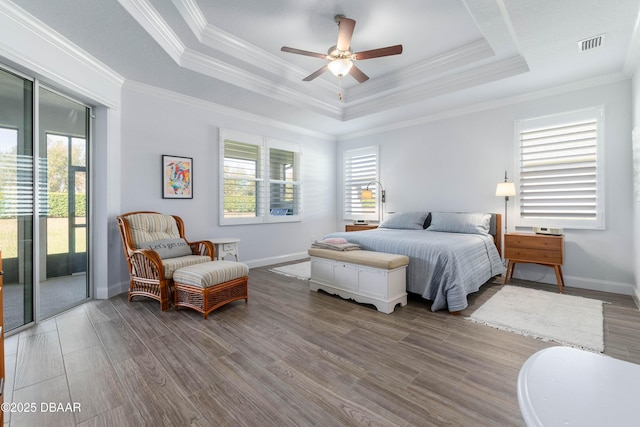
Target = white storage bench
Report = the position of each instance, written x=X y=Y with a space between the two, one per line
x=365 y=276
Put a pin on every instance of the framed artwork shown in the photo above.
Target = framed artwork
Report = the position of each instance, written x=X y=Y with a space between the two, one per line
x=177 y=177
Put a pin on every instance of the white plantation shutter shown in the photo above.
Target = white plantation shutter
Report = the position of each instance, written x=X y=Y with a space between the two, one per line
x=243 y=186
x=560 y=170
x=360 y=168
x=260 y=179
x=285 y=187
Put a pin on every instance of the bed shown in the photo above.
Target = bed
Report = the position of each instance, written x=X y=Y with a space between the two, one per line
x=451 y=255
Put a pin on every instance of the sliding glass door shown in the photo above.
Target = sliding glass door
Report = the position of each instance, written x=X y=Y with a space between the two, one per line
x=45 y=254
x=63 y=135
x=16 y=198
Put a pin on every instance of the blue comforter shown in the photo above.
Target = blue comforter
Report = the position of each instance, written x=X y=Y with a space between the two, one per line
x=443 y=267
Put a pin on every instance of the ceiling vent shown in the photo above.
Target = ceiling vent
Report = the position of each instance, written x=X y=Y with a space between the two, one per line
x=591 y=43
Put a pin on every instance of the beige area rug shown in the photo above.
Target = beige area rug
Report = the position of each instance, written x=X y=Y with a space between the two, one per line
x=568 y=320
x=301 y=270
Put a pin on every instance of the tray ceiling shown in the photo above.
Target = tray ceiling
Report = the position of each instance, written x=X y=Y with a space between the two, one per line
x=456 y=53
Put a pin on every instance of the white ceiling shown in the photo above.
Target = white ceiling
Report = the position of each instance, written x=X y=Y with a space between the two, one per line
x=456 y=52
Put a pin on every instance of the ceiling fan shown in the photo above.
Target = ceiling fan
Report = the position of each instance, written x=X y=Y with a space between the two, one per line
x=341 y=56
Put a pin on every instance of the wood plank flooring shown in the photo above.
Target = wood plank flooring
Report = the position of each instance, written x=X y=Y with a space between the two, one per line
x=290 y=357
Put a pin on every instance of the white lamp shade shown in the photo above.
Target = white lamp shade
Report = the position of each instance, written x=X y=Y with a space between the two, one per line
x=366 y=194
x=506 y=189
x=340 y=67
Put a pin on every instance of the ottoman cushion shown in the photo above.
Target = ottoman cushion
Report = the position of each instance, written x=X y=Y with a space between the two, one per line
x=210 y=273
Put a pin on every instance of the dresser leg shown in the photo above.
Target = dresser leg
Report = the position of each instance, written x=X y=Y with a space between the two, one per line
x=509 y=273
x=559 y=277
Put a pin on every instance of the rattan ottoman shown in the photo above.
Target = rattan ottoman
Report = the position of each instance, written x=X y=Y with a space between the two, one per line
x=207 y=286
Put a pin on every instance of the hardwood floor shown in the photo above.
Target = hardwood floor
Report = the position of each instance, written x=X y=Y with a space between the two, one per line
x=290 y=357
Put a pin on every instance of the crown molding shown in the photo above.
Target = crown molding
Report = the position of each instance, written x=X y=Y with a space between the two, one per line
x=144 y=13
x=65 y=48
x=192 y=15
x=207 y=65
x=149 y=18
x=409 y=85
x=225 y=42
x=54 y=38
x=489 y=105
x=455 y=82
x=221 y=109
x=426 y=70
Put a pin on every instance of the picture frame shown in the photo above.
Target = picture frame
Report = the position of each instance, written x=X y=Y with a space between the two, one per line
x=177 y=177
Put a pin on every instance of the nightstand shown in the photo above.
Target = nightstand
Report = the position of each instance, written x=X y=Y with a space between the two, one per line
x=531 y=248
x=359 y=227
x=226 y=246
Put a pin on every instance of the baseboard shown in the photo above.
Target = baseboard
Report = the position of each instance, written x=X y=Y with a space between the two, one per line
x=276 y=260
x=599 y=285
x=123 y=287
x=636 y=298
x=548 y=277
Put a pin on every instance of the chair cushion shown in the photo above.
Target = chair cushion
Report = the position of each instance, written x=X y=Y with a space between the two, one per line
x=173 y=264
x=211 y=273
x=151 y=227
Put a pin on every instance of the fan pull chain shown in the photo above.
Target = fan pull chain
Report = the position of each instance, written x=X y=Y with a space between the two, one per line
x=340 y=88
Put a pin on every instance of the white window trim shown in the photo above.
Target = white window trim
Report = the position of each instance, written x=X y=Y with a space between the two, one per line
x=598 y=223
x=265 y=144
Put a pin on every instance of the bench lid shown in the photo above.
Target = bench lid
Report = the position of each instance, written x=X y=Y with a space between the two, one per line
x=368 y=258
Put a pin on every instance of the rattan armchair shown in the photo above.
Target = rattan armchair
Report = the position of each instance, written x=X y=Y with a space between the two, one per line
x=151 y=275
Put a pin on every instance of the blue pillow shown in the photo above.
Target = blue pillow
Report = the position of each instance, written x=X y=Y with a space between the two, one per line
x=453 y=222
x=406 y=221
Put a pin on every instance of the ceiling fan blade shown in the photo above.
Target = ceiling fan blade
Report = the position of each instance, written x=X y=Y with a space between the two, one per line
x=345 y=31
x=302 y=52
x=315 y=74
x=377 y=53
x=358 y=74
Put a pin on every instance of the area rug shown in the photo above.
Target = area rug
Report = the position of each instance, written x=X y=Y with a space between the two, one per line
x=301 y=270
x=568 y=320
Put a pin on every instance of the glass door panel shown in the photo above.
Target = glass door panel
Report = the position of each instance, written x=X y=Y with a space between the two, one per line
x=16 y=198
x=64 y=135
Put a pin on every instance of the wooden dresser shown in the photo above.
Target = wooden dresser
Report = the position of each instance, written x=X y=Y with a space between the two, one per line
x=532 y=248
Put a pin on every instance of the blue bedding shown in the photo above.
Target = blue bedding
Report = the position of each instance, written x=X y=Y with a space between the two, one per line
x=443 y=267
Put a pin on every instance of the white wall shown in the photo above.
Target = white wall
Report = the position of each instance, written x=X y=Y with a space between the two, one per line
x=156 y=122
x=454 y=164
x=635 y=94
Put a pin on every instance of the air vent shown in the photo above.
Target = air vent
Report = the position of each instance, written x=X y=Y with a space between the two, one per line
x=590 y=43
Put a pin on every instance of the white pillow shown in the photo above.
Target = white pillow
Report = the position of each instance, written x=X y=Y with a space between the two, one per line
x=453 y=222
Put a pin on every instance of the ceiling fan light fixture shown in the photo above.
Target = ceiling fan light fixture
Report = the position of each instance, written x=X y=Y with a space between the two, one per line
x=340 y=67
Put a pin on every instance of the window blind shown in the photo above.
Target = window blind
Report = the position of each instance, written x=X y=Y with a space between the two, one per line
x=260 y=179
x=242 y=180
x=284 y=184
x=559 y=173
x=360 y=168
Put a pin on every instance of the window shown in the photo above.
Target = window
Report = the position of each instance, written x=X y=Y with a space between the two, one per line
x=560 y=170
x=360 y=168
x=260 y=181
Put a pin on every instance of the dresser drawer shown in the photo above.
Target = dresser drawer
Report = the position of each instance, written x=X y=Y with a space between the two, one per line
x=534 y=255
x=552 y=243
